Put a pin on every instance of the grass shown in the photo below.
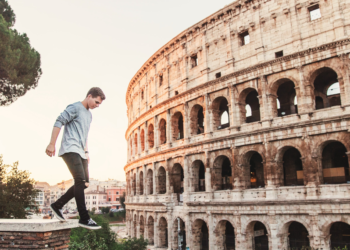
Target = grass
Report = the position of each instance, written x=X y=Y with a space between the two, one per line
x=117 y=225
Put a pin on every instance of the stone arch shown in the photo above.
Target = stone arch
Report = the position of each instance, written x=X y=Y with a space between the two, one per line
x=222 y=173
x=177 y=126
x=179 y=222
x=225 y=236
x=142 y=138
x=141 y=182
x=142 y=226
x=321 y=79
x=283 y=91
x=249 y=96
x=261 y=242
x=197 y=181
x=177 y=178
x=200 y=235
x=296 y=234
x=335 y=231
x=150 y=136
x=162 y=232
x=162 y=131
x=149 y=182
x=289 y=166
x=219 y=107
x=197 y=120
x=161 y=180
x=150 y=228
x=253 y=169
x=335 y=163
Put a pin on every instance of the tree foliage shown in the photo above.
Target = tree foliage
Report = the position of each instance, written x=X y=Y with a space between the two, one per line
x=20 y=68
x=122 y=200
x=17 y=191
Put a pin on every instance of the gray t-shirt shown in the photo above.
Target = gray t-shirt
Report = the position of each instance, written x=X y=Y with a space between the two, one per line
x=76 y=120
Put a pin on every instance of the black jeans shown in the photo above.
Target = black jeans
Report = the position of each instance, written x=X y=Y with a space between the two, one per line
x=80 y=172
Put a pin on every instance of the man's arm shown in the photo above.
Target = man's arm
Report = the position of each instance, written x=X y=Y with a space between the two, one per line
x=51 y=148
x=87 y=150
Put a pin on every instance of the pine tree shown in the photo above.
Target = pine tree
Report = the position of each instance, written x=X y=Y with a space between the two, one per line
x=20 y=68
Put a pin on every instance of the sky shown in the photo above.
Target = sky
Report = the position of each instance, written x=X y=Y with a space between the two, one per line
x=84 y=44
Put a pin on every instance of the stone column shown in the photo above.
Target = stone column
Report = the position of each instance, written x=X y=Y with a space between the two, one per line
x=314 y=236
x=170 y=228
x=168 y=176
x=144 y=179
x=211 y=227
x=188 y=226
x=146 y=93
x=137 y=181
x=306 y=104
x=208 y=127
x=168 y=128
x=156 y=133
x=187 y=122
x=146 y=137
x=155 y=230
x=233 y=121
x=273 y=237
x=186 y=179
x=344 y=83
x=155 y=181
x=138 y=141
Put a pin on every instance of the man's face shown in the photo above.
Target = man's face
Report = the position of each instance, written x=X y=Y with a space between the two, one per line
x=94 y=102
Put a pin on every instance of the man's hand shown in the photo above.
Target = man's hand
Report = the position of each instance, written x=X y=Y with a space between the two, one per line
x=50 y=150
x=87 y=157
x=87 y=184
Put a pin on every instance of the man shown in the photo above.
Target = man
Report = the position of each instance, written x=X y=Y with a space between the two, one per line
x=76 y=120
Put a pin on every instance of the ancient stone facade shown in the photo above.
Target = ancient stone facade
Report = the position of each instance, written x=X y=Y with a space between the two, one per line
x=238 y=133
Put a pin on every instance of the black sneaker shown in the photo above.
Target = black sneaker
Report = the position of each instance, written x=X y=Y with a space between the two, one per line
x=89 y=224
x=57 y=212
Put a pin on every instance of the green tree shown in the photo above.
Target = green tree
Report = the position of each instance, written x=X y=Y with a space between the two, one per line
x=17 y=191
x=20 y=68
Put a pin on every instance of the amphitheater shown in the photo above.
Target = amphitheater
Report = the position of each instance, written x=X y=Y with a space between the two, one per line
x=239 y=131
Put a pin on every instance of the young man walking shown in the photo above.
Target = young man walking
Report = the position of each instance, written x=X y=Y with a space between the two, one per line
x=76 y=120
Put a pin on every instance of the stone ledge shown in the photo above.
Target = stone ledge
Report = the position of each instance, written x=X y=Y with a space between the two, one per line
x=28 y=225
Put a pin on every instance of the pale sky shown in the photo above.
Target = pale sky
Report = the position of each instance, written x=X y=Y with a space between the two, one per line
x=83 y=44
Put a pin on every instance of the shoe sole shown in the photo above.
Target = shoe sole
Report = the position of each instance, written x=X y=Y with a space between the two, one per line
x=58 y=217
x=91 y=228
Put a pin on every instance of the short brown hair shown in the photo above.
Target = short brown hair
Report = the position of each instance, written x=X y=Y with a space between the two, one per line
x=95 y=92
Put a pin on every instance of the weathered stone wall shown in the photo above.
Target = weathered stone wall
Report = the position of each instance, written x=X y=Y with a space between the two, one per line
x=278 y=165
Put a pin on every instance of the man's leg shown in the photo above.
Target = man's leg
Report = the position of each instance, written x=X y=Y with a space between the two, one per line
x=75 y=165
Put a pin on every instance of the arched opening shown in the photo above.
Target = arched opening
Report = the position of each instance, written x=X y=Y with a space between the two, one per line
x=326 y=88
x=298 y=236
x=222 y=174
x=286 y=97
x=141 y=183
x=252 y=106
x=180 y=234
x=134 y=185
x=150 y=136
x=220 y=112
x=256 y=171
x=198 y=176
x=340 y=235
x=142 y=140
x=225 y=236
x=135 y=226
x=142 y=226
x=163 y=233
x=162 y=131
x=200 y=234
x=293 y=168
x=335 y=163
x=161 y=181
x=197 y=120
x=136 y=145
x=177 y=178
x=259 y=235
x=177 y=125
x=150 y=227
x=149 y=181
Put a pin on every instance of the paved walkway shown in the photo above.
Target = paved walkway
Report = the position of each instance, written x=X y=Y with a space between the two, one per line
x=120 y=230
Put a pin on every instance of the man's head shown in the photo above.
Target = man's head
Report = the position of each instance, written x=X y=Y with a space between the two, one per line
x=94 y=97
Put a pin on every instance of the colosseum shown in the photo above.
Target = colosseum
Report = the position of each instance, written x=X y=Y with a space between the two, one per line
x=239 y=131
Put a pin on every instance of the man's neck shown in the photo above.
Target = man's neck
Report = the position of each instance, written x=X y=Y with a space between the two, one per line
x=85 y=103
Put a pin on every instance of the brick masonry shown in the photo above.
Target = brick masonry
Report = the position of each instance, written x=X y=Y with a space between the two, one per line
x=278 y=166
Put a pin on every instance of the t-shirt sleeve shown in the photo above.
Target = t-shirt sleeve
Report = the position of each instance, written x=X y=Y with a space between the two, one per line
x=66 y=116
